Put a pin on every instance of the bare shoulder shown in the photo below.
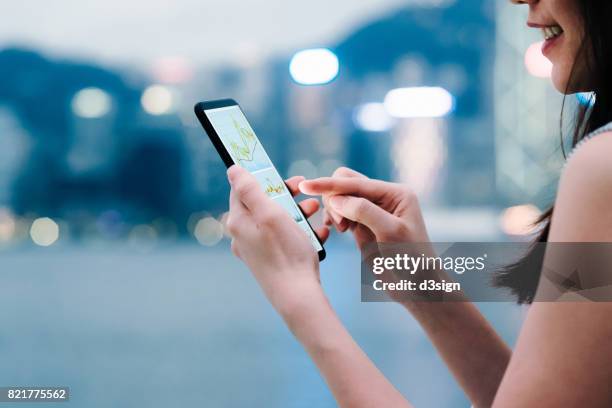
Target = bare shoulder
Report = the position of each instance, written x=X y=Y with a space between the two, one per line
x=582 y=208
x=594 y=154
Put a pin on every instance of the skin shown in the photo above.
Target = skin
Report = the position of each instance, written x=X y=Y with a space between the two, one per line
x=562 y=356
x=563 y=13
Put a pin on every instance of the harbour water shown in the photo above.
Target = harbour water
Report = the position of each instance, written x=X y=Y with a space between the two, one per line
x=183 y=326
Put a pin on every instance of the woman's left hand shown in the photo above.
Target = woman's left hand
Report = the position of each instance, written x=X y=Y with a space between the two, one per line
x=273 y=246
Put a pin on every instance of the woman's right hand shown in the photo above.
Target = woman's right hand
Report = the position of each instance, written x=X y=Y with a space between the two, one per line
x=374 y=210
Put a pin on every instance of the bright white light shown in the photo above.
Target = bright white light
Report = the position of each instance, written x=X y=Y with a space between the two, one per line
x=91 y=103
x=419 y=102
x=316 y=66
x=44 y=231
x=536 y=63
x=157 y=100
x=208 y=231
x=372 y=117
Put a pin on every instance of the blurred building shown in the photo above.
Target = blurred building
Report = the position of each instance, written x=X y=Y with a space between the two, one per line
x=527 y=113
x=450 y=160
x=127 y=141
x=13 y=152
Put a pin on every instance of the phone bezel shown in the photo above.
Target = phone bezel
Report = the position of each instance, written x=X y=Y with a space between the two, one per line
x=200 y=109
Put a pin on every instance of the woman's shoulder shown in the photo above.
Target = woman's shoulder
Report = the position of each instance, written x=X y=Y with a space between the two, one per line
x=593 y=154
x=582 y=208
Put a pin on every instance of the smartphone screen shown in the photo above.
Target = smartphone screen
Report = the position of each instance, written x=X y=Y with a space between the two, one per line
x=244 y=148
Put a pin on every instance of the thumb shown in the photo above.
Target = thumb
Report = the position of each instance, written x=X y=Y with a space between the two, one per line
x=363 y=211
x=248 y=190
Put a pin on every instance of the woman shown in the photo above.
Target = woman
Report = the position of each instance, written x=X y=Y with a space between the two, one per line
x=562 y=357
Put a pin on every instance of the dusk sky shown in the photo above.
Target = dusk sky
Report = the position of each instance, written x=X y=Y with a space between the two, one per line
x=137 y=32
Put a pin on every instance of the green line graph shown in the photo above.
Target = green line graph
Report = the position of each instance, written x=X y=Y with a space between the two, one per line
x=244 y=150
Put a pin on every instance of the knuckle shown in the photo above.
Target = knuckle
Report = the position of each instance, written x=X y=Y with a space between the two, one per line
x=409 y=194
x=242 y=189
x=361 y=205
x=231 y=226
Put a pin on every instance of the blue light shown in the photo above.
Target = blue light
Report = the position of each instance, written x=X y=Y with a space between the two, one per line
x=586 y=98
x=315 y=66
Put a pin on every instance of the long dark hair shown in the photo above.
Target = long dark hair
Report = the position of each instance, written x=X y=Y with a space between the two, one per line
x=596 y=51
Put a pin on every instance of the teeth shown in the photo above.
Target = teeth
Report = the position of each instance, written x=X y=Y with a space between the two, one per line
x=551 y=32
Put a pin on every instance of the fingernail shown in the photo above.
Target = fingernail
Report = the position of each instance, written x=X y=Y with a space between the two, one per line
x=302 y=185
x=336 y=202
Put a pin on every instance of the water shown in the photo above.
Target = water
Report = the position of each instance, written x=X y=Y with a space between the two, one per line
x=183 y=325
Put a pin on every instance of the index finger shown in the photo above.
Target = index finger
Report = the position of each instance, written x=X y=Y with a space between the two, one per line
x=361 y=187
x=293 y=183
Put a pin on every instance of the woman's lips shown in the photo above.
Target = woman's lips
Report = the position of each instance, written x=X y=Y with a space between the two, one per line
x=549 y=44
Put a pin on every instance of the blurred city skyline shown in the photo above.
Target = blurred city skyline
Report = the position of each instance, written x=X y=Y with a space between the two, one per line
x=107 y=148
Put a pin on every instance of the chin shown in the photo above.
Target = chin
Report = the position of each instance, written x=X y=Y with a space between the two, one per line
x=560 y=79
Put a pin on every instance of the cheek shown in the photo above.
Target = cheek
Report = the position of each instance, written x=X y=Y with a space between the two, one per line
x=569 y=70
x=566 y=76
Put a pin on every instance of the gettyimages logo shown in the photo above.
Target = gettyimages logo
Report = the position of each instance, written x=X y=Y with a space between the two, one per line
x=412 y=264
x=463 y=271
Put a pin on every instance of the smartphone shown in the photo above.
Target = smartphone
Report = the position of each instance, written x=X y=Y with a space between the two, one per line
x=236 y=142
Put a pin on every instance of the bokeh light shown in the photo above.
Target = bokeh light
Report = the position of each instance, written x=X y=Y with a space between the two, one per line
x=327 y=167
x=7 y=225
x=208 y=231
x=143 y=237
x=536 y=63
x=157 y=100
x=419 y=102
x=519 y=220
x=44 y=231
x=303 y=168
x=419 y=154
x=315 y=66
x=372 y=117
x=172 y=70
x=91 y=103
x=223 y=220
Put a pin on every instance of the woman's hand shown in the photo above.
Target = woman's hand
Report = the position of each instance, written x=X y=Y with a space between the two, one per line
x=378 y=211
x=374 y=210
x=286 y=266
x=272 y=245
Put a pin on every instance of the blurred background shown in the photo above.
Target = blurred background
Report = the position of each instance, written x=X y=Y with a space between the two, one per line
x=116 y=276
